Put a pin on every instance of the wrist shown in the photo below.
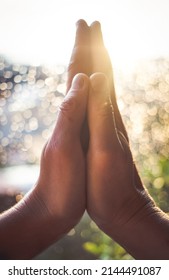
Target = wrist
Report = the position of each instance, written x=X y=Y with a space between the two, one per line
x=32 y=228
x=146 y=234
x=126 y=211
x=61 y=208
x=36 y=206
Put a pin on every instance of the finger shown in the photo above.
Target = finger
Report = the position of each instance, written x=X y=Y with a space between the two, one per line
x=102 y=128
x=80 y=57
x=96 y=34
x=100 y=57
x=82 y=30
x=72 y=112
x=101 y=63
x=99 y=54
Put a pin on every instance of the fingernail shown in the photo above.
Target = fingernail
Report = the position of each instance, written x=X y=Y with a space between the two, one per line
x=78 y=82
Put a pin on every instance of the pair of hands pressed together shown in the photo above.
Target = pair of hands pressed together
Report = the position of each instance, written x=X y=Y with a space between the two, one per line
x=87 y=164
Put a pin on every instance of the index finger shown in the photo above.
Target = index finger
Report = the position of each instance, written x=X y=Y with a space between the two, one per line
x=101 y=62
x=82 y=33
x=80 y=57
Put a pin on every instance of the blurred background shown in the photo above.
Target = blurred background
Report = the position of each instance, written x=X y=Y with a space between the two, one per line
x=36 y=39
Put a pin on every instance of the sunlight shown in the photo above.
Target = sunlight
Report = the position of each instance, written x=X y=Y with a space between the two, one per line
x=38 y=32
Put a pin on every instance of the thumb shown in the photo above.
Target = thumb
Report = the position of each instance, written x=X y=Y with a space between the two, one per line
x=72 y=112
x=102 y=129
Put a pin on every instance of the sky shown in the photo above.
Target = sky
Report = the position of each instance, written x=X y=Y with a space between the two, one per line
x=42 y=31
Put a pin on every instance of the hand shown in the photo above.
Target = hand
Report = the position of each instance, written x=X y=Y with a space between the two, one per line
x=97 y=60
x=113 y=197
x=121 y=205
x=89 y=56
x=114 y=201
x=58 y=200
x=101 y=63
x=61 y=184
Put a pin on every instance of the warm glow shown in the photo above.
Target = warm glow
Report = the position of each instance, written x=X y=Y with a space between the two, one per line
x=42 y=31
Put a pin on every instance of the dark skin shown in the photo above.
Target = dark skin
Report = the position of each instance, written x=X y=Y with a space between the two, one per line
x=58 y=200
x=119 y=207
x=89 y=56
x=87 y=164
x=116 y=196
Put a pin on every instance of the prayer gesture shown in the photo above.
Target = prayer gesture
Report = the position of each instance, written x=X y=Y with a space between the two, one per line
x=87 y=164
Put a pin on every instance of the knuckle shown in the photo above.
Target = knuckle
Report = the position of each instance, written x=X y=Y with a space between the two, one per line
x=55 y=150
x=71 y=67
x=67 y=107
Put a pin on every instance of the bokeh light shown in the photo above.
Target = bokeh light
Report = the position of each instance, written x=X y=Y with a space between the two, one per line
x=29 y=101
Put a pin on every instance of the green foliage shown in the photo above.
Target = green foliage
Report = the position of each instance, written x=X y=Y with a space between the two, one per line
x=107 y=250
x=157 y=182
x=100 y=245
x=145 y=101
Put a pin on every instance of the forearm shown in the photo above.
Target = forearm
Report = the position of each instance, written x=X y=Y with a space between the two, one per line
x=27 y=229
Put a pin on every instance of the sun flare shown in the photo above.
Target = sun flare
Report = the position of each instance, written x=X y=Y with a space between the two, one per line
x=38 y=32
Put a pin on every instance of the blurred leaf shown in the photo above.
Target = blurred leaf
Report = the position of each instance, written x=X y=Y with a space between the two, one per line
x=92 y=248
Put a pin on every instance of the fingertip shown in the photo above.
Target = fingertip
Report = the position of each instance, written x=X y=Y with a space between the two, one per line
x=95 y=24
x=75 y=104
x=99 y=82
x=73 y=108
x=98 y=75
x=81 y=22
x=96 y=33
x=82 y=33
x=80 y=81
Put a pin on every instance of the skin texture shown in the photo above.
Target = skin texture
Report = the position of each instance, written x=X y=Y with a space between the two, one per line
x=87 y=164
x=58 y=200
x=122 y=210
x=80 y=60
x=116 y=198
x=63 y=160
